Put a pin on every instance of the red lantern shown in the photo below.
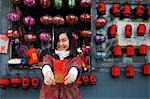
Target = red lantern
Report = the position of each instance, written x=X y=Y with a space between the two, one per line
x=141 y=29
x=46 y=20
x=115 y=71
x=93 y=79
x=86 y=33
x=101 y=22
x=26 y=82
x=85 y=79
x=112 y=31
x=139 y=10
x=128 y=31
x=33 y=56
x=115 y=10
x=101 y=8
x=12 y=34
x=35 y=82
x=58 y=20
x=86 y=3
x=15 y=81
x=143 y=49
x=4 y=82
x=130 y=71
x=146 y=69
x=30 y=37
x=79 y=82
x=85 y=17
x=45 y=3
x=130 y=50
x=117 y=51
x=71 y=19
x=126 y=11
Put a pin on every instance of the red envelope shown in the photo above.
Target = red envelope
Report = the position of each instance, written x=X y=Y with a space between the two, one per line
x=60 y=70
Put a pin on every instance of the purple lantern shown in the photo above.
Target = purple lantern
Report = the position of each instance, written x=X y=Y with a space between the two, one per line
x=45 y=37
x=28 y=20
x=99 y=39
x=29 y=3
x=13 y=17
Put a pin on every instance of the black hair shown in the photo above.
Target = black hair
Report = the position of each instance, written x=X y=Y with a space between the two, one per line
x=72 y=41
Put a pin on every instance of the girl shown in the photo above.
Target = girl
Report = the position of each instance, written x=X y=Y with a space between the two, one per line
x=65 y=49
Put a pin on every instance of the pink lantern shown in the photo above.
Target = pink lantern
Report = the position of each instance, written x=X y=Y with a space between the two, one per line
x=29 y=21
x=29 y=3
x=13 y=17
x=45 y=37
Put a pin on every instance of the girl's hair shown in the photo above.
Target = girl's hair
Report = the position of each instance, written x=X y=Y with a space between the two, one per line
x=72 y=41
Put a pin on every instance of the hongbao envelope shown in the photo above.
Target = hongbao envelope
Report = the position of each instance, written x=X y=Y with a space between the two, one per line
x=60 y=70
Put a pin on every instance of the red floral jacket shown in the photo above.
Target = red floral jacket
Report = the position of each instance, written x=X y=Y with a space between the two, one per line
x=61 y=91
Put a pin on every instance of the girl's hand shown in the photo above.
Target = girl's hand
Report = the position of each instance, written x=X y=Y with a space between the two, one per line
x=72 y=75
x=49 y=78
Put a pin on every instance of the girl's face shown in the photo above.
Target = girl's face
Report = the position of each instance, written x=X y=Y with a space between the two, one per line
x=63 y=42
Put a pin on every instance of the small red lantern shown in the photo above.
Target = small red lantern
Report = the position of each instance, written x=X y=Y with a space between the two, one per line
x=85 y=79
x=46 y=20
x=86 y=33
x=117 y=51
x=126 y=10
x=86 y=3
x=45 y=3
x=58 y=20
x=143 y=49
x=101 y=8
x=115 y=10
x=93 y=79
x=115 y=71
x=146 y=69
x=30 y=37
x=139 y=11
x=15 y=81
x=4 y=82
x=112 y=31
x=33 y=56
x=85 y=17
x=26 y=82
x=130 y=50
x=128 y=31
x=12 y=34
x=101 y=22
x=79 y=82
x=71 y=19
x=141 y=29
x=130 y=71
x=35 y=82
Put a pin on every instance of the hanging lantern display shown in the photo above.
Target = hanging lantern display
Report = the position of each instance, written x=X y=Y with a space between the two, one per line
x=139 y=10
x=71 y=19
x=101 y=7
x=4 y=82
x=101 y=22
x=26 y=81
x=46 y=20
x=85 y=3
x=143 y=50
x=115 y=10
x=99 y=39
x=112 y=31
x=58 y=4
x=28 y=20
x=35 y=82
x=85 y=17
x=13 y=17
x=58 y=20
x=86 y=33
x=126 y=10
x=15 y=82
x=128 y=31
x=117 y=51
x=21 y=50
x=30 y=37
x=33 y=56
x=29 y=3
x=12 y=34
x=45 y=37
x=45 y=3
x=141 y=29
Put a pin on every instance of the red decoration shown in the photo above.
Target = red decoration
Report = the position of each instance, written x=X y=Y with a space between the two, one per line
x=128 y=31
x=86 y=33
x=46 y=20
x=130 y=50
x=35 y=82
x=79 y=82
x=115 y=71
x=139 y=10
x=146 y=69
x=86 y=3
x=60 y=70
x=26 y=82
x=101 y=8
x=141 y=29
x=58 y=20
x=143 y=49
x=130 y=71
x=117 y=51
x=15 y=81
x=85 y=79
x=112 y=31
x=12 y=34
x=85 y=17
x=4 y=82
x=71 y=19
x=33 y=56
x=30 y=37
x=115 y=10
x=93 y=79
x=101 y=22
x=126 y=10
